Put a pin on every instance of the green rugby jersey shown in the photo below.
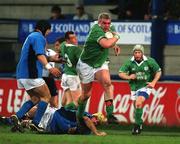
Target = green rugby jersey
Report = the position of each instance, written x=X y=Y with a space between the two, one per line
x=93 y=54
x=71 y=54
x=144 y=71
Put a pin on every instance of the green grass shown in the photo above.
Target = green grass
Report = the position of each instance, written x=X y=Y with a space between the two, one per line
x=116 y=135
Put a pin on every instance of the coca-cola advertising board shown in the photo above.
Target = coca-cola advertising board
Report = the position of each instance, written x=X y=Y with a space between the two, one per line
x=162 y=107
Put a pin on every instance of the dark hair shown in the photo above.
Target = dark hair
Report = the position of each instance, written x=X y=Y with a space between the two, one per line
x=43 y=26
x=60 y=39
x=67 y=34
x=56 y=9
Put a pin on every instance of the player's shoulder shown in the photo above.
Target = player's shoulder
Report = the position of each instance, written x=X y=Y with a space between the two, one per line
x=36 y=36
x=96 y=27
x=71 y=46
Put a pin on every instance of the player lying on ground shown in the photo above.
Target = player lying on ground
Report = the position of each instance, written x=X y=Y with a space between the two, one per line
x=62 y=121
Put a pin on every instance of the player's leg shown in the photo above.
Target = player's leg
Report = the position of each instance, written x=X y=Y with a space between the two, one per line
x=85 y=94
x=54 y=101
x=75 y=91
x=53 y=91
x=27 y=84
x=67 y=100
x=86 y=74
x=17 y=118
x=103 y=77
x=139 y=109
x=44 y=94
x=142 y=95
x=27 y=106
x=68 y=104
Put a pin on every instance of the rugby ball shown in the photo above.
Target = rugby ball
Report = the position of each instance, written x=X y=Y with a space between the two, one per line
x=108 y=34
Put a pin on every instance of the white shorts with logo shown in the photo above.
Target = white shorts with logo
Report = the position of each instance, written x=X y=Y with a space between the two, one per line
x=147 y=91
x=29 y=84
x=47 y=117
x=71 y=82
x=86 y=72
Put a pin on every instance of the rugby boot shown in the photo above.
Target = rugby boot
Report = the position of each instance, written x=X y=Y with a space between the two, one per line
x=16 y=124
x=36 y=128
x=136 y=130
x=113 y=120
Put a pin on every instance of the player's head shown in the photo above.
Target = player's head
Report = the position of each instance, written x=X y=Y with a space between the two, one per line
x=44 y=26
x=71 y=38
x=58 y=43
x=98 y=118
x=104 y=20
x=138 y=52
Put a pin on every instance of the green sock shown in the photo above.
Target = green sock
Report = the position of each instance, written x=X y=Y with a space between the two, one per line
x=81 y=108
x=70 y=106
x=109 y=110
x=138 y=115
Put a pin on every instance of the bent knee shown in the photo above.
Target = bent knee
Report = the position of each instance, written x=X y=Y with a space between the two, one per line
x=46 y=98
x=106 y=84
x=139 y=102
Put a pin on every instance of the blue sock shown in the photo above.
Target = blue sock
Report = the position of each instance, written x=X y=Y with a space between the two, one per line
x=24 y=109
x=41 y=108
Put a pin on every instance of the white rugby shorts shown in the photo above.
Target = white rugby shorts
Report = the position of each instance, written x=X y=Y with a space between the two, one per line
x=86 y=72
x=29 y=84
x=135 y=94
x=71 y=82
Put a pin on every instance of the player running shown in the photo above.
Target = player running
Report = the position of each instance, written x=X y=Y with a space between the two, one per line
x=93 y=63
x=142 y=73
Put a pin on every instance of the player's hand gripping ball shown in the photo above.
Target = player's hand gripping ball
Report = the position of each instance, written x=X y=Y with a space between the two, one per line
x=108 y=34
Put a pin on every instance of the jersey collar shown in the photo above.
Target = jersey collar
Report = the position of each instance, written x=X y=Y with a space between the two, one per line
x=69 y=44
x=144 y=59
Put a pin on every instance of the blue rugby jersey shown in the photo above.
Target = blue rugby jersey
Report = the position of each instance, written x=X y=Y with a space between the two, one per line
x=29 y=66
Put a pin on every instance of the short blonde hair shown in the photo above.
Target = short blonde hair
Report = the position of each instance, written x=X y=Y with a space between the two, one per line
x=104 y=15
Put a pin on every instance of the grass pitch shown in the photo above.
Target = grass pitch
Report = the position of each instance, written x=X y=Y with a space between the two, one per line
x=116 y=135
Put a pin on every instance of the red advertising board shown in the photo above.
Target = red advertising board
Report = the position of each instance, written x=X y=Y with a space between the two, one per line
x=162 y=108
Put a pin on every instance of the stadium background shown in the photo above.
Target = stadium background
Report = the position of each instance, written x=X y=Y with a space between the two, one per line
x=164 y=47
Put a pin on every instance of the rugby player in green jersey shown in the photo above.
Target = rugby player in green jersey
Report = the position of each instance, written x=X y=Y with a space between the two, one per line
x=142 y=73
x=70 y=81
x=93 y=64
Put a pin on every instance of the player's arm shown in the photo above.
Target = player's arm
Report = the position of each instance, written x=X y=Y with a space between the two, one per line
x=117 y=49
x=53 y=71
x=125 y=76
x=56 y=58
x=108 y=43
x=154 y=81
x=124 y=71
x=92 y=127
x=156 y=71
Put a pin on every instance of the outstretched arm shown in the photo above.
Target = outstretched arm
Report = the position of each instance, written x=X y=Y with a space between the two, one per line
x=53 y=71
x=92 y=127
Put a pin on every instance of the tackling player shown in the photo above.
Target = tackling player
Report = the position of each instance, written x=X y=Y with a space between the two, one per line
x=142 y=73
x=29 y=73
